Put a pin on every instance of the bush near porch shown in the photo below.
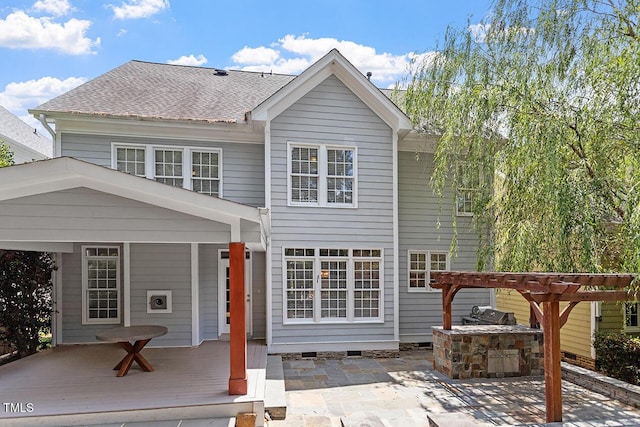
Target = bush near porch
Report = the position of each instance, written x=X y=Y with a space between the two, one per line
x=25 y=299
x=618 y=356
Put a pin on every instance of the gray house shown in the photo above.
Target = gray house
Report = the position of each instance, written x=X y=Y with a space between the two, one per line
x=158 y=167
x=25 y=142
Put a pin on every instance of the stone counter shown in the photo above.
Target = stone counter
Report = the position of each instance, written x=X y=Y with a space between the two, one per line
x=488 y=351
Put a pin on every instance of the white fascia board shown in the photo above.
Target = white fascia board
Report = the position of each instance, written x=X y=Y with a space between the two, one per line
x=65 y=173
x=157 y=128
x=58 y=247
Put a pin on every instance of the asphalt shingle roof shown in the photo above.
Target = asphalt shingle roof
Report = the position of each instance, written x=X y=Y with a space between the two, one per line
x=151 y=90
x=11 y=127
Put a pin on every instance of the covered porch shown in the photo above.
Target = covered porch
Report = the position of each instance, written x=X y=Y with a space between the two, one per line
x=75 y=385
x=59 y=204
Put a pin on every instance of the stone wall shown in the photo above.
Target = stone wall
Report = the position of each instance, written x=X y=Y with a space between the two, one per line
x=488 y=351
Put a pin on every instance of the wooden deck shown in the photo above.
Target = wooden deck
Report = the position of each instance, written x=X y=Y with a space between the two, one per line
x=69 y=385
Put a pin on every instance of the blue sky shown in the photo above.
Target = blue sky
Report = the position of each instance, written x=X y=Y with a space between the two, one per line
x=50 y=46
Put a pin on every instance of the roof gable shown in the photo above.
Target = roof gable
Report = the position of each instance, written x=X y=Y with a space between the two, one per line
x=335 y=64
x=16 y=132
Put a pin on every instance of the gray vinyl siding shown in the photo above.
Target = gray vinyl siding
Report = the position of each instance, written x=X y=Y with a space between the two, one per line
x=331 y=114
x=162 y=267
x=82 y=214
x=242 y=164
x=208 y=298
x=420 y=212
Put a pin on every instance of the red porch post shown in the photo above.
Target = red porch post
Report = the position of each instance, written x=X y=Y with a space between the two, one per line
x=238 y=329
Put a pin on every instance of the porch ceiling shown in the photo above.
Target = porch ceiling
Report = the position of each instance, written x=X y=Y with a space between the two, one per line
x=66 y=200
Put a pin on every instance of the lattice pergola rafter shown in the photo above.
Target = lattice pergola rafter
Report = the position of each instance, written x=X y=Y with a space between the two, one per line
x=548 y=289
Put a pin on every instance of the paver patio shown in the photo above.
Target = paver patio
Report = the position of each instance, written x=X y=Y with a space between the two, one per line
x=403 y=391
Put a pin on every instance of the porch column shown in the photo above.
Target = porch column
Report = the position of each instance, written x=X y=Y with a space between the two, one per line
x=237 y=326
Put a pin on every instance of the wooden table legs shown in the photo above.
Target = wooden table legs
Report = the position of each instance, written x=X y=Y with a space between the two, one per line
x=133 y=353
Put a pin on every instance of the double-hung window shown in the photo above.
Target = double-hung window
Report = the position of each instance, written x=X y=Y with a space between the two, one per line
x=321 y=175
x=192 y=168
x=421 y=264
x=101 y=284
x=333 y=285
x=468 y=182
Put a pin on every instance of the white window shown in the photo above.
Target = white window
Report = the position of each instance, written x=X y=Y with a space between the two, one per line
x=192 y=168
x=421 y=264
x=468 y=183
x=321 y=175
x=631 y=319
x=101 y=284
x=333 y=285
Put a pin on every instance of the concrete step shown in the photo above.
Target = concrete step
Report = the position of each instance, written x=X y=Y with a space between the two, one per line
x=275 y=399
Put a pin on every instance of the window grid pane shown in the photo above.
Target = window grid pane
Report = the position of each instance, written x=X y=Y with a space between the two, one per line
x=300 y=289
x=340 y=176
x=304 y=174
x=631 y=315
x=418 y=270
x=333 y=298
x=366 y=294
x=102 y=283
x=205 y=173
x=169 y=167
x=131 y=160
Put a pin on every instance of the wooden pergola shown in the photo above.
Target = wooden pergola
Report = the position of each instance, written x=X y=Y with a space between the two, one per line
x=548 y=289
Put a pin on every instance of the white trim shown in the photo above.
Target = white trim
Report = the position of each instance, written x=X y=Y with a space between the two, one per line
x=350 y=259
x=322 y=188
x=64 y=173
x=167 y=294
x=84 y=289
x=396 y=242
x=269 y=247
x=195 y=294
x=593 y=310
x=427 y=254
x=63 y=247
x=353 y=345
x=126 y=283
x=187 y=160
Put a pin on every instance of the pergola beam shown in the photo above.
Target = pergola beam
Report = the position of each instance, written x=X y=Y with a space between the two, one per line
x=546 y=288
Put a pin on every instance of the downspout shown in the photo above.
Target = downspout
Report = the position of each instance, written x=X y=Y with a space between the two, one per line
x=43 y=120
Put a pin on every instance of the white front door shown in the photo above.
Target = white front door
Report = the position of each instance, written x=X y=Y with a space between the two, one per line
x=223 y=292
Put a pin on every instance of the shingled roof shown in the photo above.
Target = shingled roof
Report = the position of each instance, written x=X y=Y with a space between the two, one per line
x=140 y=89
x=14 y=129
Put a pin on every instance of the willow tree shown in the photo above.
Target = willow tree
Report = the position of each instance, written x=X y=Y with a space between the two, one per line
x=541 y=101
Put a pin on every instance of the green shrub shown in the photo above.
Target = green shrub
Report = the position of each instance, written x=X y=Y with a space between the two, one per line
x=618 y=356
x=25 y=299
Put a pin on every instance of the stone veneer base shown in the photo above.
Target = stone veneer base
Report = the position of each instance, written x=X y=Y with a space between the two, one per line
x=477 y=351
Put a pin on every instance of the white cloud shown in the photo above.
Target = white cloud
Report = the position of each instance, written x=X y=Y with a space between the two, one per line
x=18 y=97
x=122 y=32
x=54 y=7
x=293 y=54
x=134 y=9
x=21 y=31
x=189 y=60
x=248 y=55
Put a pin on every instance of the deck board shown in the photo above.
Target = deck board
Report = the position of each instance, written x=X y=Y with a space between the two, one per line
x=80 y=379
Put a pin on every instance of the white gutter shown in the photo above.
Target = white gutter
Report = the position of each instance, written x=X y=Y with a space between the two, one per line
x=43 y=120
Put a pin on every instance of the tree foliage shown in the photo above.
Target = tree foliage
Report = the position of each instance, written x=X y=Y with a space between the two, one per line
x=542 y=98
x=6 y=155
x=25 y=298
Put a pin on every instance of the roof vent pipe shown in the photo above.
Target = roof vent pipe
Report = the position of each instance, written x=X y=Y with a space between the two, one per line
x=369 y=74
